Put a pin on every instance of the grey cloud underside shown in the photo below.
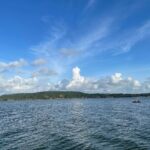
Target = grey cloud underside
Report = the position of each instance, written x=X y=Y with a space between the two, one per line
x=39 y=62
x=44 y=72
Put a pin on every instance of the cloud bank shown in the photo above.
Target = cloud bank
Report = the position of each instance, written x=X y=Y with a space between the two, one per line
x=115 y=83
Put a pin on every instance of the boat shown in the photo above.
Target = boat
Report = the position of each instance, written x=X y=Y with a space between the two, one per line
x=136 y=101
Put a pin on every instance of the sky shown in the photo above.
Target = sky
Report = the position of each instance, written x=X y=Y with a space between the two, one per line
x=93 y=46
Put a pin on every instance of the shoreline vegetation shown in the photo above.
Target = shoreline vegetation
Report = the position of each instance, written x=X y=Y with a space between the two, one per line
x=66 y=95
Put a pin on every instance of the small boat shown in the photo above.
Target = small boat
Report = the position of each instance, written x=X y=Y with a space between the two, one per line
x=136 y=101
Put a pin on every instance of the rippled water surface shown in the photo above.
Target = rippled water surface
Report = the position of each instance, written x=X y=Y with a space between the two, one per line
x=92 y=124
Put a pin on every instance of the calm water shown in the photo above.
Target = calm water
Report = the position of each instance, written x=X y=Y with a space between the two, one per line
x=104 y=124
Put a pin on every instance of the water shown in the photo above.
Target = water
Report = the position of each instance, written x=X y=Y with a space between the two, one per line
x=93 y=124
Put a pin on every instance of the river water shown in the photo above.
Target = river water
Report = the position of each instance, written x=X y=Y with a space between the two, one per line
x=89 y=124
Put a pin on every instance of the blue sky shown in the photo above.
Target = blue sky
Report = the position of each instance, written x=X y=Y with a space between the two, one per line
x=46 y=41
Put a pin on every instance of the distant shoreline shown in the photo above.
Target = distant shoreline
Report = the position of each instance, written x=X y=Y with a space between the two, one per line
x=67 y=95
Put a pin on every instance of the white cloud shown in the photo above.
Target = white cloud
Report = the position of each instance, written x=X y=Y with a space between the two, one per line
x=116 y=78
x=51 y=48
x=112 y=84
x=60 y=50
x=17 y=84
x=11 y=65
x=116 y=83
x=128 y=41
x=63 y=47
x=39 y=62
x=47 y=48
x=77 y=80
x=44 y=71
x=97 y=33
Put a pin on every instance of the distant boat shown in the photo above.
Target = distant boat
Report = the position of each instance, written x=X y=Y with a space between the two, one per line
x=136 y=101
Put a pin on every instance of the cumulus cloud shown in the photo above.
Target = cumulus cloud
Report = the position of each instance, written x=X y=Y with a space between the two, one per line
x=11 y=65
x=117 y=77
x=17 y=84
x=77 y=80
x=111 y=84
x=115 y=83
